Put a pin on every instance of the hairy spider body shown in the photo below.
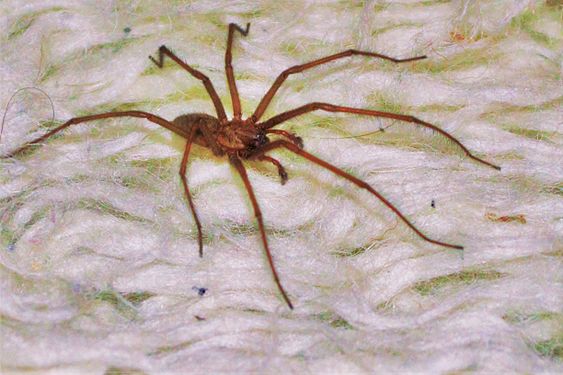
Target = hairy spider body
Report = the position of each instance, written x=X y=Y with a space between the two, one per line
x=240 y=139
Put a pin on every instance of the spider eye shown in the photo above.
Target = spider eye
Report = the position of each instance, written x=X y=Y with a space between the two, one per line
x=260 y=140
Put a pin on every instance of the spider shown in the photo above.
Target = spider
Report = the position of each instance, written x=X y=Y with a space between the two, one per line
x=241 y=139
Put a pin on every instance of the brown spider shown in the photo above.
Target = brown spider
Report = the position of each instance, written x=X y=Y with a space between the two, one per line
x=248 y=138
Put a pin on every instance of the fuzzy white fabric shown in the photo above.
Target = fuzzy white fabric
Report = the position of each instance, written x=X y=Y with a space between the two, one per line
x=99 y=265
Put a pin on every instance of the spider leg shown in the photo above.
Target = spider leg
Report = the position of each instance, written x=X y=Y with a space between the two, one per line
x=292 y=137
x=229 y=67
x=235 y=161
x=281 y=169
x=299 y=68
x=164 y=51
x=368 y=112
x=293 y=148
x=77 y=120
x=187 y=189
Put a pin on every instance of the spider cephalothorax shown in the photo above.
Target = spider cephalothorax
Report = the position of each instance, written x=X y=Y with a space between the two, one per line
x=240 y=139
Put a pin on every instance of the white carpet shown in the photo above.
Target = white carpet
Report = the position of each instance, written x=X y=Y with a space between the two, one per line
x=98 y=253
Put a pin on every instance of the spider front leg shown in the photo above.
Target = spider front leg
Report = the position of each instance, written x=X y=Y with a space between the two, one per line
x=235 y=161
x=164 y=51
x=261 y=108
x=282 y=117
x=293 y=148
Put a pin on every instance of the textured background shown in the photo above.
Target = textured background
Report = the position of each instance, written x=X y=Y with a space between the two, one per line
x=98 y=257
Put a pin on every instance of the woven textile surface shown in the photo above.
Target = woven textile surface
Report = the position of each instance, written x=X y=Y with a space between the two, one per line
x=99 y=265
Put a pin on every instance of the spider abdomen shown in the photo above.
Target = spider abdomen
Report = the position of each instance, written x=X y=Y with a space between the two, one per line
x=207 y=127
